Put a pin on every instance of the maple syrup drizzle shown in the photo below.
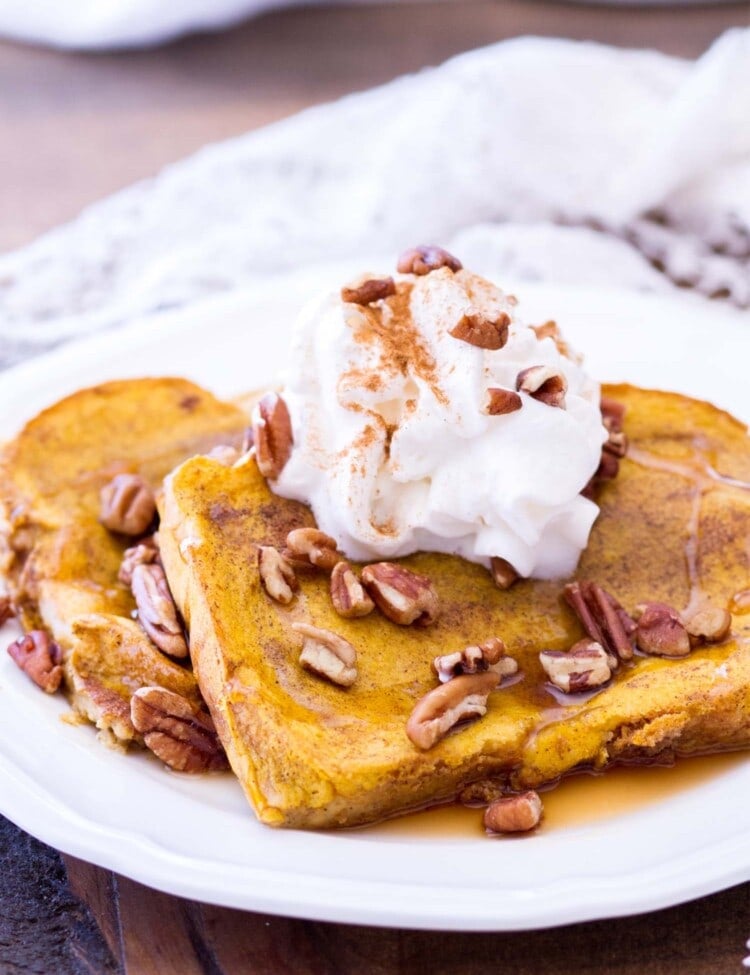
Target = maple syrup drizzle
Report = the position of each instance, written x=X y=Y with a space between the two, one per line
x=692 y=545
x=727 y=481
x=705 y=478
x=703 y=474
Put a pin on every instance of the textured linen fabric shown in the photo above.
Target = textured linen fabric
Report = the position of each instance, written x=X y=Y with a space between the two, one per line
x=534 y=159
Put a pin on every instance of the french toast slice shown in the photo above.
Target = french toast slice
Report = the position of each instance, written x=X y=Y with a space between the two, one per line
x=61 y=564
x=314 y=755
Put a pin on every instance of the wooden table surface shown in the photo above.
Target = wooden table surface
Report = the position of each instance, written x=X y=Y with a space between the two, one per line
x=74 y=128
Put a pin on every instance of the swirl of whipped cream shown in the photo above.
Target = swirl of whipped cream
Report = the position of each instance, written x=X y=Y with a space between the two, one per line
x=393 y=447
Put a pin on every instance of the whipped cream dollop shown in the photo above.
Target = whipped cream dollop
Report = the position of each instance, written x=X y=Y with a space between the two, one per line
x=395 y=451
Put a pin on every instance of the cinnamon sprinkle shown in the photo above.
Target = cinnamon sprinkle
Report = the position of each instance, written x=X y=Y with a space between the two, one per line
x=401 y=347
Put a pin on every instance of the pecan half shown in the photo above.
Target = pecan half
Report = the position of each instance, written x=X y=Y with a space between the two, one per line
x=543 y=383
x=475 y=659
x=602 y=617
x=502 y=572
x=502 y=401
x=708 y=625
x=585 y=666
x=444 y=706
x=327 y=654
x=144 y=553
x=423 y=259
x=157 y=612
x=616 y=444
x=276 y=575
x=482 y=332
x=7 y=612
x=403 y=596
x=309 y=546
x=514 y=814
x=272 y=435
x=128 y=505
x=349 y=597
x=40 y=658
x=376 y=289
x=176 y=731
x=660 y=631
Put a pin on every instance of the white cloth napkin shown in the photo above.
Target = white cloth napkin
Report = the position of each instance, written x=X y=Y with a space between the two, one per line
x=533 y=159
x=89 y=24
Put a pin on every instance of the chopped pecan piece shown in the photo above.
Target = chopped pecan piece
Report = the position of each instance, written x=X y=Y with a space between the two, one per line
x=475 y=659
x=6 y=609
x=608 y=469
x=327 y=654
x=272 y=435
x=514 y=814
x=484 y=333
x=609 y=466
x=602 y=617
x=276 y=575
x=40 y=658
x=444 y=706
x=613 y=414
x=585 y=666
x=423 y=259
x=349 y=597
x=502 y=401
x=157 y=612
x=614 y=448
x=502 y=572
x=309 y=546
x=403 y=596
x=144 y=553
x=711 y=624
x=550 y=330
x=543 y=383
x=176 y=731
x=616 y=444
x=128 y=505
x=376 y=289
x=660 y=631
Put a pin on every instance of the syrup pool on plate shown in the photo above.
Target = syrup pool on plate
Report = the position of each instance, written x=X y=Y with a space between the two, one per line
x=578 y=800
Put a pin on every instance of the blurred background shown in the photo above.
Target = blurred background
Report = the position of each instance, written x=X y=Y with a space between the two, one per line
x=77 y=125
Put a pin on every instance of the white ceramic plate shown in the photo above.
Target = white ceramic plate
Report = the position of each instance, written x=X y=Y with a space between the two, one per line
x=196 y=836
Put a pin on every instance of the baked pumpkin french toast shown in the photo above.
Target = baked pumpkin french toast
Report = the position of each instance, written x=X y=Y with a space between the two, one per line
x=443 y=566
x=312 y=753
x=61 y=563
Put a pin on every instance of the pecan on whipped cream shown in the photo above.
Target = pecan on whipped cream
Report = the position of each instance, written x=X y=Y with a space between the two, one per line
x=394 y=446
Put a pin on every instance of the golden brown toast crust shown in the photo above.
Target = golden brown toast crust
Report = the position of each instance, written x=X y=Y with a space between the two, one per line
x=61 y=564
x=314 y=755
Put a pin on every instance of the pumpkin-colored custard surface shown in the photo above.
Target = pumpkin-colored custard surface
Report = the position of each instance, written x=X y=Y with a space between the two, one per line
x=62 y=566
x=673 y=530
